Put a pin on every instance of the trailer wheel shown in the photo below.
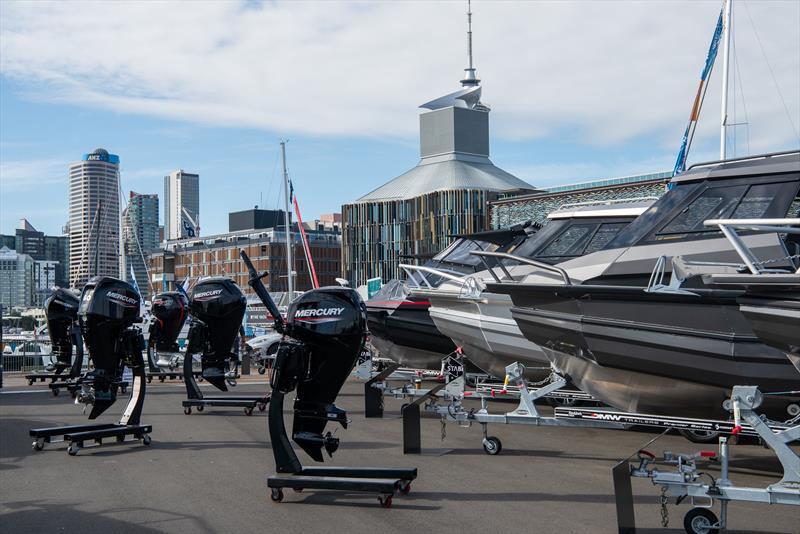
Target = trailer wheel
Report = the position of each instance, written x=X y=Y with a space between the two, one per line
x=385 y=500
x=187 y=410
x=276 y=494
x=700 y=521
x=492 y=445
x=700 y=436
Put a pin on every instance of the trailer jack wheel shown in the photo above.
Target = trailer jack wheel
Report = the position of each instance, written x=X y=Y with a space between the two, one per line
x=492 y=445
x=385 y=500
x=700 y=521
x=276 y=494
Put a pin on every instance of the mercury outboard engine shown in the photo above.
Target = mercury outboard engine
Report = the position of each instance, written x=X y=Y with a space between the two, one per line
x=217 y=307
x=326 y=332
x=61 y=310
x=170 y=310
x=108 y=310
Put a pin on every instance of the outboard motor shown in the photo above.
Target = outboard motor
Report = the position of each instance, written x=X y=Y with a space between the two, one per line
x=61 y=310
x=108 y=310
x=217 y=307
x=330 y=324
x=170 y=310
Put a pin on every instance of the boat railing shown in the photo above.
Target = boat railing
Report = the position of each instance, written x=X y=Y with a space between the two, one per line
x=419 y=278
x=526 y=261
x=728 y=227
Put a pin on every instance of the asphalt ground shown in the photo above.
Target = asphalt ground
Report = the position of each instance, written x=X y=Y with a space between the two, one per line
x=206 y=473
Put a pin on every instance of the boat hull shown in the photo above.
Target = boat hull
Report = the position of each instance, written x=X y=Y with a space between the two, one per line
x=487 y=334
x=671 y=354
x=776 y=321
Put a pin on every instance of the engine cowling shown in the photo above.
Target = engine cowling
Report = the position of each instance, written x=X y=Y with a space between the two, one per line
x=170 y=310
x=61 y=310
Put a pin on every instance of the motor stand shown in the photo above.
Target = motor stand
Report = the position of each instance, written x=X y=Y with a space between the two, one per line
x=128 y=425
x=195 y=398
x=59 y=379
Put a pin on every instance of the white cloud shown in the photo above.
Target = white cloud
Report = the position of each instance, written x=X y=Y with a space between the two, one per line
x=28 y=175
x=606 y=72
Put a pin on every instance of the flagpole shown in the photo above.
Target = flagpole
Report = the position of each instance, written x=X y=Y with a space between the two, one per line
x=289 y=274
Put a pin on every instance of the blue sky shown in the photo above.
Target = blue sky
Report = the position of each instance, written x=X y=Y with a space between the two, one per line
x=578 y=91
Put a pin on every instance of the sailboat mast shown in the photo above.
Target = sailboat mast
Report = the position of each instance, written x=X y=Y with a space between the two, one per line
x=726 y=44
x=289 y=273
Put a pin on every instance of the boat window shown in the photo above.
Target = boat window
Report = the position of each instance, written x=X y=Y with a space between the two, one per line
x=570 y=242
x=711 y=204
x=460 y=254
x=755 y=203
x=603 y=236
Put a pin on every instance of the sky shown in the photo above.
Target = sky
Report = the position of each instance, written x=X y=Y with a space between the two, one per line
x=579 y=90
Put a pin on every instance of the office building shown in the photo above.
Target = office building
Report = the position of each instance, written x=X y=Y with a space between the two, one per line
x=16 y=279
x=44 y=281
x=94 y=217
x=41 y=247
x=181 y=205
x=140 y=237
x=255 y=219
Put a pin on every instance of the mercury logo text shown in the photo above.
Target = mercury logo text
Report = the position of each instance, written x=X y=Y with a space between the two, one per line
x=124 y=298
x=319 y=312
x=212 y=293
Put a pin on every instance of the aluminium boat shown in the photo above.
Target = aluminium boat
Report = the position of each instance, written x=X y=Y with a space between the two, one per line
x=675 y=353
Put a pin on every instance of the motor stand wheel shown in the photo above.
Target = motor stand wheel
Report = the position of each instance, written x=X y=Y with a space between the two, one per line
x=149 y=379
x=405 y=487
x=200 y=408
x=262 y=370
x=187 y=410
x=700 y=521
x=73 y=449
x=146 y=440
x=276 y=494
x=492 y=445
x=248 y=411
x=385 y=500
x=55 y=392
x=38 y=444
x=262 y=406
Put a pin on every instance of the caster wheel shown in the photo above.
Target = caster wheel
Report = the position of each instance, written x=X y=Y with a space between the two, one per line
x=187 y=410
x=262 y=370
x=492 y=446
x=72 y=450
x=261 y=406
x=700 y=436
x=161 y=379
x=124 y=391
x=276 y=494
x=38 y=444
x=405 y=488
x=385 y=500
x=120 y=439
x=201 y=408
x=30 y=382
x=149 y=379
x=248 y=411
x=146 y=440
x=700 y=521
x=55 y=392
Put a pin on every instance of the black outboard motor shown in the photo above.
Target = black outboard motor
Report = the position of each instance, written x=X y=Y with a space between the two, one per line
x=61 y=310
x=217 y=307
x=331 y=324
x=108 y=309
x=170 y=310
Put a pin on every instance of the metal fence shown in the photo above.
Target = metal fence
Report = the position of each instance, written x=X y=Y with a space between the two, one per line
x=25 y=362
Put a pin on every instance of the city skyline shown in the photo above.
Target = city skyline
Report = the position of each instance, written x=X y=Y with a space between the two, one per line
x=571 y=99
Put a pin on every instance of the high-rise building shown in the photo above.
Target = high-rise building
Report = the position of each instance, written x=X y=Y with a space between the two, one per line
x=181 y=205
x=418 y=212
x=16 y=278
x=93 y=217
x=140 y=237
x=53 y=248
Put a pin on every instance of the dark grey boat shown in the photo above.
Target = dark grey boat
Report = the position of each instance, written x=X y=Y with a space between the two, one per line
x=675 y=353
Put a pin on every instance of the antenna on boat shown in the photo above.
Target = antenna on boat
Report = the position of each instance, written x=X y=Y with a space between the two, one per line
x=470 y=80
x=726 y=45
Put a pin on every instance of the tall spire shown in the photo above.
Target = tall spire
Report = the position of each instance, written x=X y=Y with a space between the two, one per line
x=470 y=80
